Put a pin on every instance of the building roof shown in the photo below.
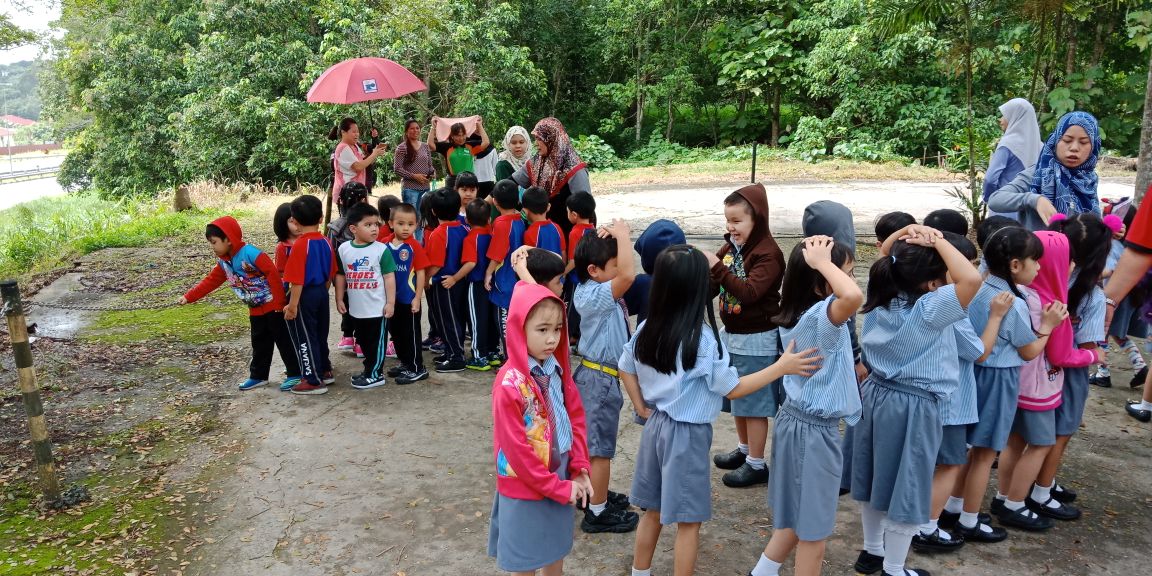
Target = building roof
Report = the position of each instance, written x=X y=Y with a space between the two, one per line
x=14 y=120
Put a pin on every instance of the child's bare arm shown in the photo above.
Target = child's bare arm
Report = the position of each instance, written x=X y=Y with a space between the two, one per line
x=1054 y=314
x=341 y=288
x=419 y=291
x=461 y=274
x=389 y=294
x=492 y=266
x=800 y=363
x=625 y=264
x=818 y=254
x=632 y=387
x=293 y=301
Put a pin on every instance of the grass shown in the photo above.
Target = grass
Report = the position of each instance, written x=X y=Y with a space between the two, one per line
x=219 y=317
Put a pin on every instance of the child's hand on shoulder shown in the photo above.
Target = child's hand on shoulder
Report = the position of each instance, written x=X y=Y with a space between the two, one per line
x=818 y=250
x=803 y=363
x=1054 y=314
x=712 y=259
x=1001 y=304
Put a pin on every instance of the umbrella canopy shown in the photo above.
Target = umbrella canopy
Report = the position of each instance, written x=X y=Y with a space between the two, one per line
x=364 y=80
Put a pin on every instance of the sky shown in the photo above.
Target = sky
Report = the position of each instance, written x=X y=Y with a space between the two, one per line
x=35 y=16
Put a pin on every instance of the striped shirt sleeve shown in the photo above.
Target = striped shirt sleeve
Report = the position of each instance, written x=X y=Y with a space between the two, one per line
x=1092 y=311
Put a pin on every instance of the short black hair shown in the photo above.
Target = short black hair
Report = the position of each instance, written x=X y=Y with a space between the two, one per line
x=891 y=223
x=990 y=226
x=962 y=244
x=403 y=208
x=445 y=204
x=359 y=212
x=947 y=220
x=478 y=213
x=467 y=179
x=280 y=222
x=385 y=205
x=583 y=204
x=307 y=210
x=593 y=250
x=507 y=194
x=535 y=200
x=214 y=231
x=544 y=265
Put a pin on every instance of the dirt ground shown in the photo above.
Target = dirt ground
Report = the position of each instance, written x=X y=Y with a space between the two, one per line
x=398 y=480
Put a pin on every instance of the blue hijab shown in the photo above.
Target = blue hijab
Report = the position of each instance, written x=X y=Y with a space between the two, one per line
x=1071 y=190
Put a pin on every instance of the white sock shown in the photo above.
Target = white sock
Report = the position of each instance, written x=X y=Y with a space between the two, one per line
x=645 y=572
x=954 y=505
x=1013 y=505
x=1042 y=493
x=1000 y=496
x=1145 y=405
x=743 y=448
x=597 y=508
x=872 y=521
x=897 y=541
x=764 y=567
x=754 y=463
x=927 y=528
x=969 y=519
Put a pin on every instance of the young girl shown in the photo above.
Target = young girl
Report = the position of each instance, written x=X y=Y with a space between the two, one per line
x=909 y=340
x=1010 y=255
x=675 y=362
x=1041 y=384
x=1087 y=237
x=1126 y=319
x=539 y=440
x=818 y=298
x=286 y=233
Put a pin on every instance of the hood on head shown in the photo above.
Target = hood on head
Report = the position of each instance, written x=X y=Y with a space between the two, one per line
x=757 y=197
x=658 y=236
x=231 y=230
x=830 y=218
x=524 y=297
x=1051 y=281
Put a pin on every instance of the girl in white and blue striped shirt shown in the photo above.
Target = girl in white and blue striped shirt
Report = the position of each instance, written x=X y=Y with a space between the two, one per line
x=818 y=298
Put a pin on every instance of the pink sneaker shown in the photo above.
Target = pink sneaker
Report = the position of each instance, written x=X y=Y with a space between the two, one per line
x=390 y=352
x=346 y=343
x=358 y=351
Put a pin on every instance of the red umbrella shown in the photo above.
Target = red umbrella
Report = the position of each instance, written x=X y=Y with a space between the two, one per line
x=364 y=80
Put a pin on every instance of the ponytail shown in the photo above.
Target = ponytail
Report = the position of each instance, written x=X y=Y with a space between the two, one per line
x=905 y=274
x=1006 y=245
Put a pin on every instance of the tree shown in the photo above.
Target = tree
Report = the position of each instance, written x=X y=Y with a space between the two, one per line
x=1140 y=29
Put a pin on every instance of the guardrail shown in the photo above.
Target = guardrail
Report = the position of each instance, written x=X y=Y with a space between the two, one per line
x=25 y=175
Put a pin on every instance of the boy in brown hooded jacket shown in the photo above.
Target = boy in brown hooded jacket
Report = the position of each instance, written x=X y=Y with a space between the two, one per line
x=748 y=271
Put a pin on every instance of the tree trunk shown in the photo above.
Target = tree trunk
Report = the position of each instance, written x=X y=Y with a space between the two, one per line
x=1144 y=162
x=972 y=188
x=557 y=76
x=1050 y=60
x=639 y=85
x=775 y=107
x=671 y=115
x=1039 y=57
x=1070 y=55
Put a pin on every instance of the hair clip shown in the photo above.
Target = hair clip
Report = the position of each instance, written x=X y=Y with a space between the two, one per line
x=1114 y=223
x=1058 y=217
x=893 y=257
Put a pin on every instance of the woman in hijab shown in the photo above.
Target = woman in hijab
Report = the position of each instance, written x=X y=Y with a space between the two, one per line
x=1018 y=148
x=557 y=168
x=515 y=153
x=1062 y=182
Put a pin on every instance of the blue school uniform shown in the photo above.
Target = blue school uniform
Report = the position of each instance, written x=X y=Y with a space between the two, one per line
x=998 y=376
x=909 y=345
x=959 y=409
x=1087 y=328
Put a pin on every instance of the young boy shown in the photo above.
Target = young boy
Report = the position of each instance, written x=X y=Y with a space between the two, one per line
x=309 y=271
x=890 y=223
x=351 y=194
x=539 y=266
x=404 y=326
x=445 y=246
x=582 y=216
x=366 y=273
x=467 y=187
x=507 y=236
x=947 y=220
x=485 y=341
x=606 y=271
x=542 y=232
x=253 y=277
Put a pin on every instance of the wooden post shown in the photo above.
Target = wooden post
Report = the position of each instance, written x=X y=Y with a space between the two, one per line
x=37 y=425
x=754 y=144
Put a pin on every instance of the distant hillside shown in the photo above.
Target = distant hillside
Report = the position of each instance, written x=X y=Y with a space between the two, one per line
x=19 y=90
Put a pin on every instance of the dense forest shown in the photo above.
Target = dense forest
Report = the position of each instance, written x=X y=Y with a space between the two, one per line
x=19 y=91
x=154 y=93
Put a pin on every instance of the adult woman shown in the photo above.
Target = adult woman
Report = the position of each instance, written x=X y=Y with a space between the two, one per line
x=557 y=168
x=348 y=164
x=413 y=164
x=1017 y=150
x=1063 y=180
x=515 y=153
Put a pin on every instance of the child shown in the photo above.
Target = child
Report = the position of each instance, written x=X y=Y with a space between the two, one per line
x=285 y=236
x=366 y=274
x=538 y=437
x=990 y=226
x=507 y=236
x=467 y=188
x=541 y=232
x=458 y=155
x=582 y=216
x=309 y=271
x=1086 y=235
x=351 y=194
x=446 y=274
x=908 y=338
x=605 y=268
x=404 y=327
x=947 y=220
x=890 y=223
x=676 y=363
x=539 y=266
x=385 y=205
x=485 y=339
x=655 y=238
x=253 y=277
x=1126 y=320
x=435 y=341
x=818 y=297
x=1010 y=255
x=748 y=270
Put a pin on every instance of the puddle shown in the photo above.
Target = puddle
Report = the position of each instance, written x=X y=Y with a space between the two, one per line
x=61 y=323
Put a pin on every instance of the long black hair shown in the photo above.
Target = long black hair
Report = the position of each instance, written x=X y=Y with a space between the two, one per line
x=1090 y=241
x=680 y=300
x=904 y=273
x=345 y=125
x=280 y=222
x=803 y=286
x=1008 y=244
x=409 y=151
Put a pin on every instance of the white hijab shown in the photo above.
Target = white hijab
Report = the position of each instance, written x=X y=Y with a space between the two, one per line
x=506 y=154
x=1022 y=136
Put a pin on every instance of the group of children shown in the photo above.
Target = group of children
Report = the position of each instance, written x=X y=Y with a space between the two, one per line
x=965 y=357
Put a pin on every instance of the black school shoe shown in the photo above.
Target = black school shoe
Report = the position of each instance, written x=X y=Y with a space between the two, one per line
x=935 y=543
x=745 y=476
x=1062 y=511
x=450 y=366
x=868 y=563
x=1101 y=381
x=1063 y=494
x=949 y=520
x=1133 y=409
x=730 y=460
x=978 y=535
x=916 y=571
x=996 y=506
x=615 y=501
x=610 y=520
x=1026 y=519
x=1138 y=378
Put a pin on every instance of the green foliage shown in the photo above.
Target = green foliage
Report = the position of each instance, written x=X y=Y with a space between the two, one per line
x=20 y=89
x=598 y=154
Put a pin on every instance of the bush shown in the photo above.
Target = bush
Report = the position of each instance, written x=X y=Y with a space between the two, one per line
x=594 y=151
x=866 y=152
x=659 y=151
x=809 y=141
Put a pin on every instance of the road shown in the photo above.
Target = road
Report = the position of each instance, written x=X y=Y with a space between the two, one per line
x=19 y=192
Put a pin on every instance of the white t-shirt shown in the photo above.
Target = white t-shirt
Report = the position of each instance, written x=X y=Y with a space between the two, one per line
x=363 y=268
x=345 y=160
